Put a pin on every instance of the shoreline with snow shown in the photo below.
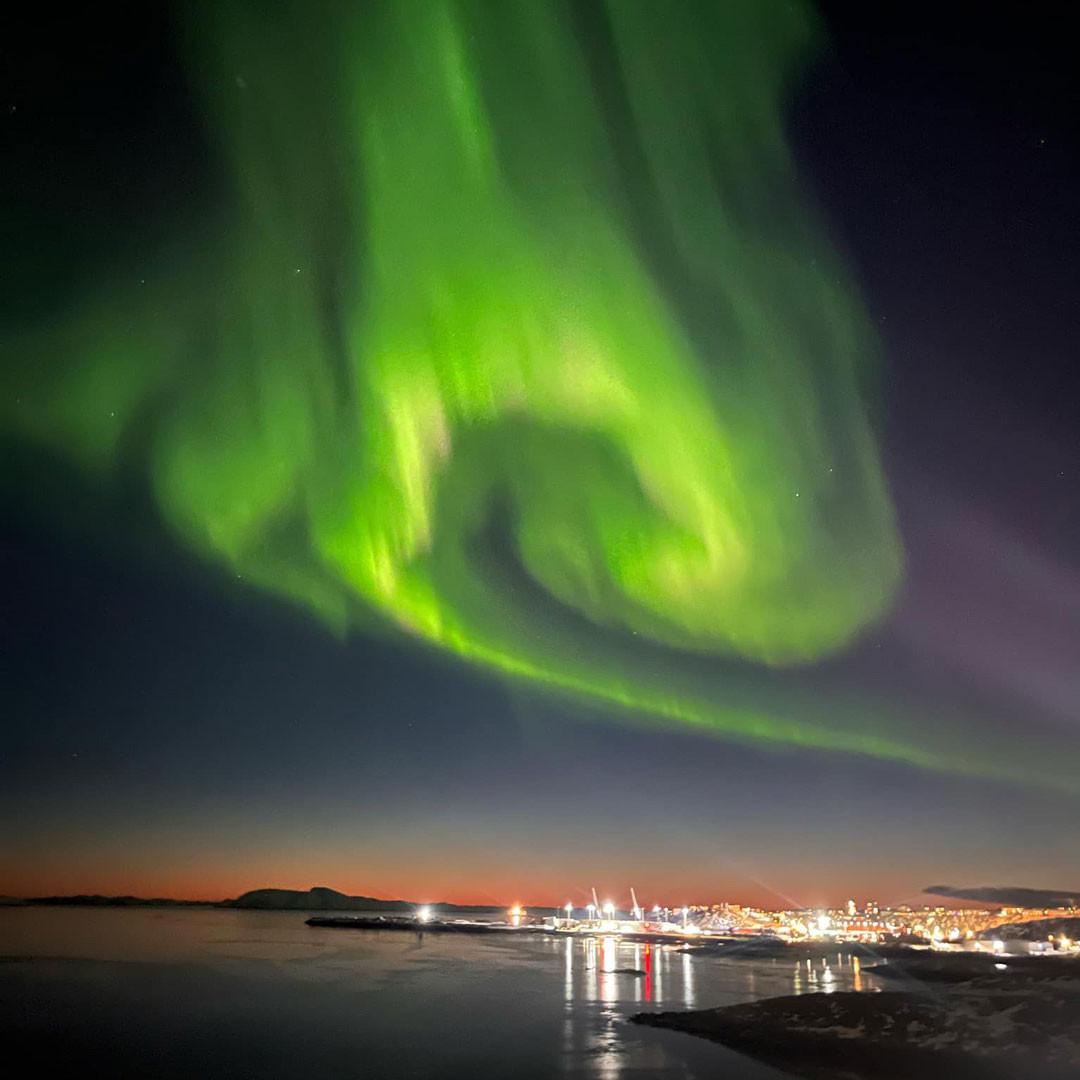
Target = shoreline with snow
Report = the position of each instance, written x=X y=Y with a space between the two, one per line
x=960 y=1020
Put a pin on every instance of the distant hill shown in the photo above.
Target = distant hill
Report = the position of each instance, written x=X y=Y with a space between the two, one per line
x=317 y=899
x=323 y=899
x=1036 y=930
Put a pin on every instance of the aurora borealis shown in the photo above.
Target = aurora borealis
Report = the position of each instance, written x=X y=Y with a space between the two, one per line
x=513 y=333
x=446 y=310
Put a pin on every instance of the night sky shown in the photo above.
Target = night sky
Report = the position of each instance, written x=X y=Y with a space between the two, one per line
x=540 y=682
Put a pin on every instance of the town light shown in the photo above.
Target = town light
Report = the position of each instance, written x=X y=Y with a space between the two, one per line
x=424 y=914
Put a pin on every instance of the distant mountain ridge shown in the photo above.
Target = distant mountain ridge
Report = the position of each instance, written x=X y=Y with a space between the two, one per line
x=96 y=900
x=319 y=898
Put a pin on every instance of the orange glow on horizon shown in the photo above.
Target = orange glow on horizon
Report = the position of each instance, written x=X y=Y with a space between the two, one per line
x=216 y=883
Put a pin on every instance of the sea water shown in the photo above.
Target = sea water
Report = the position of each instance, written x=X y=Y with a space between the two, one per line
x=205 y=992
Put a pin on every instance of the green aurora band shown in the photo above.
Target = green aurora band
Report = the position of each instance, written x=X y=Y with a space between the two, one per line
x=514 y=334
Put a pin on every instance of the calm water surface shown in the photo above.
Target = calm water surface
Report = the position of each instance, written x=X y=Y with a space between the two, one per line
x=208 y=993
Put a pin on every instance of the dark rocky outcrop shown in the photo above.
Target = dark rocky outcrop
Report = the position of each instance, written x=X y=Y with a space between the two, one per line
x=990 y=1025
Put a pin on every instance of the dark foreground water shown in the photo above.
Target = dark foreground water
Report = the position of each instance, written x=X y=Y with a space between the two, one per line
x=165 y=993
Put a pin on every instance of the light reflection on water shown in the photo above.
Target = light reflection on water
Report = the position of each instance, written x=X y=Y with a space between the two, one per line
x=301 y=1000
x=616 y=978
x=606 y=969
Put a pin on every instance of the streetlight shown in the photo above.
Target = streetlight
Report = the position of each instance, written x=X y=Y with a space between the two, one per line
x=609 y=909
x=569 y=909
x=685 y=914
x=591 y=909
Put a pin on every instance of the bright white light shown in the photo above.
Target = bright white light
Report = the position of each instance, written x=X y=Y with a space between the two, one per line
x=823 y=922
x=424 y=914
x=568 y=908
x=609 y=909
x=1001 y=967
x=656 y=909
